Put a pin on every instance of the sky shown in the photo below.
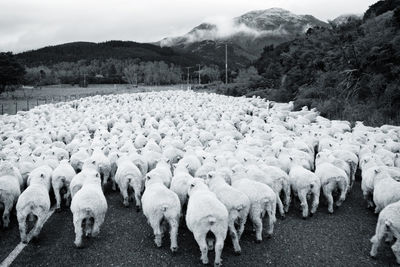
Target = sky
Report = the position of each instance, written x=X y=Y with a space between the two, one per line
x=31 y=24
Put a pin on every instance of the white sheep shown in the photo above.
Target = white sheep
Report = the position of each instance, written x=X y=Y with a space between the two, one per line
x=388 y=225
x=78 y=180
x=305 y=183
x=128 y=175
x=386 y=190
x=332 y=179
x=89 y=207
x=10 y=189
x=61 y=178
x=160 y=203
x=34 y=201
x=237 y=204
x=78 y=158
x=180 y=184
x=262 y=199
x=206 y=213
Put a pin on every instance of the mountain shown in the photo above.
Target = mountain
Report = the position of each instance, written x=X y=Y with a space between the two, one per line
x=246 y=35
x=342 y=19
x=73 y=52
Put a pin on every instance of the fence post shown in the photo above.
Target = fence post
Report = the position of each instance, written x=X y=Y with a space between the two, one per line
x=16 y=107
x=27 y=104
x=37 y=102
x=2 y=109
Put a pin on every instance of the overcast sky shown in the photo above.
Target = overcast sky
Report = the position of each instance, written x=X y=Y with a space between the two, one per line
x=30 y=24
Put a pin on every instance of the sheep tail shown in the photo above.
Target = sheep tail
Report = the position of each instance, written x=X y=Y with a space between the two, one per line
x=62 y=178
x=211 y=220
x=88 y=212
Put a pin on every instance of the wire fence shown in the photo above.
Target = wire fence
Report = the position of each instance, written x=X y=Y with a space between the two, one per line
x=12 y=104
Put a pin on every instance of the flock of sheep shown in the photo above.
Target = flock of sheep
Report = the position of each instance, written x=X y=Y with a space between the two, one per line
x=210 y=161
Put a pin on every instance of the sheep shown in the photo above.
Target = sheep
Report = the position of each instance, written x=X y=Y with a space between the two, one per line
x=160 y=203
x=180 y=183
x=388 y=225
x=78 y=158
x=34 y=201
x=262 y=199
x=61 y=177
x=102 y=163
x=236 y=202
x=305 y=183
x=88 y=207
x=386 y=190
x=332 y=179
x=78 y=180
x=205 y=213
x=163 y=170
x=128 y=175
x=10 y=190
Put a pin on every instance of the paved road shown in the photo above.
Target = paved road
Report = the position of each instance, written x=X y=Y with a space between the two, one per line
x=341 y=239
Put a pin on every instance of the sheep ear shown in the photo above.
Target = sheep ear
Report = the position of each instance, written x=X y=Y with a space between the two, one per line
x=93 y=162
x=291 y=159
x=42 y=175
x=377 y=170
x=97 y=175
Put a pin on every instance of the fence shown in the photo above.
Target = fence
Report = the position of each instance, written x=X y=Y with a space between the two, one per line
x=14 y=104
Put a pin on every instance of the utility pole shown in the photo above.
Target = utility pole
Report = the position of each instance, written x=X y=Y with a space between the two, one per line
x=226 y=63
x=199 y=73
x=188 y=75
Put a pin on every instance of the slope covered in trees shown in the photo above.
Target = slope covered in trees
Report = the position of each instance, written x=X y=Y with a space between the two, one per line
x=351 y=71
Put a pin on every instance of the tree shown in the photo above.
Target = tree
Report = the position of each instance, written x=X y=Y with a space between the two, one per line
x=11 y=72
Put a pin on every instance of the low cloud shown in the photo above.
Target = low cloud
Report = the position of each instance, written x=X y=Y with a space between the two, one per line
x=224 y=28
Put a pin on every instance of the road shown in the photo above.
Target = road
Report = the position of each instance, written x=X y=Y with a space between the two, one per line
x=341 y=239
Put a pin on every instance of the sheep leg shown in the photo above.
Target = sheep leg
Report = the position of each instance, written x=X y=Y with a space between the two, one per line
x=137 y=189
x=234 y=236
x=155 y=224
x=67 y=197
x=280 y=205
x=6 y=213
x=200 y=238
x=242 y=223
x=377 y=238
x=343 y=191
x=96 y=225
x=396 y=251
x=22 y=226
x=106 y=176
x=271 y=219
x=287 y=197
x=303 y=203
x=315 y=202
x=368 y=197
x=39 y=224
x=123 y=187
x=219 y=245
x=173 y=233
x=58 y=198
x=255 y=216
x=78 y=232
x=328 y=195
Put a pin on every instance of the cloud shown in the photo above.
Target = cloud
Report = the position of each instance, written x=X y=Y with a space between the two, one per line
x=223 y=28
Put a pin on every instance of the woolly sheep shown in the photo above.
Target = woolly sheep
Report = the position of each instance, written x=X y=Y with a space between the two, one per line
x=128 y=175
x=88 y=207
x=205 y=213
x=237 y=204
x=388 y=225
x=34 y=201
x=161 y=203
x=61 y=177
x=386 y=190
x=304 y=183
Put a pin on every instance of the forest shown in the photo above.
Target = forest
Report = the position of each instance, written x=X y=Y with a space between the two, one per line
x=349 y=71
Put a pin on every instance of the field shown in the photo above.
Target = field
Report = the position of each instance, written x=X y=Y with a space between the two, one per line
x=25 y=99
